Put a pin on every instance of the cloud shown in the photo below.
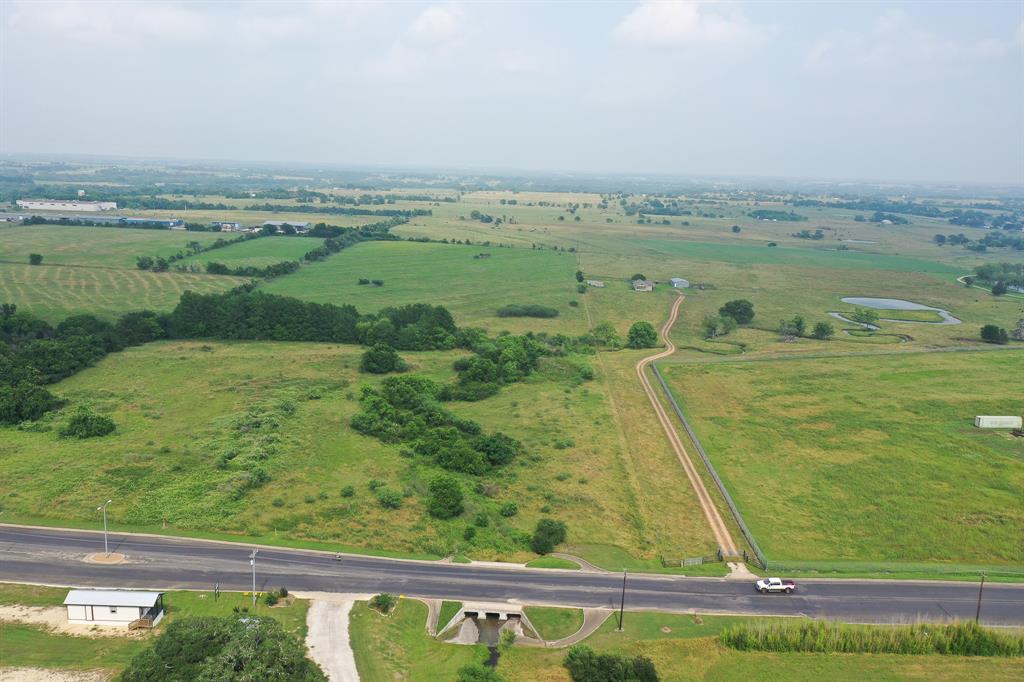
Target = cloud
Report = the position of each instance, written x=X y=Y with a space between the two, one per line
x=100 y=22
x=673 y=23
x=437 y=24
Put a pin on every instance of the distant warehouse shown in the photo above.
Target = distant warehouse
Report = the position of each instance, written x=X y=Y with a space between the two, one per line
x=62 y=205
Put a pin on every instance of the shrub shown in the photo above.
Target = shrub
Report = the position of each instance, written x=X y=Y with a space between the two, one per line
x=445 y=501
x=823 y=331
x=740 y=310
x=35 y=258
x=547 y=534
x=581 y=288
x=509 y=509
x=469 y=533
x=363 y=280
x=586 y=665
x=25 y=402
x=991 y=333
x=642 y=335
x=348 y=491
x=478 y=672
x=636 y=276
x=529 y=310
x=282 y=592
x=381 y=358
x=277 y=502
x=389 y=499
x=270 y=599
x=481 y=520
x=383 y=602
x=85 y=424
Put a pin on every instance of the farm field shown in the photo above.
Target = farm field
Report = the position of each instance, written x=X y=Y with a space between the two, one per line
x=681 y=646
x=115 y=247
x=866 y=458
x=54 y=292
x=258 y=252
x=184 y=410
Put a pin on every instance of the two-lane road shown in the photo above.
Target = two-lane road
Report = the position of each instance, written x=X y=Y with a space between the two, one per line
x=52 y=556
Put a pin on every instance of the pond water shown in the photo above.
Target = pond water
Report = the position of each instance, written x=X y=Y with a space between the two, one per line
x=896 y=304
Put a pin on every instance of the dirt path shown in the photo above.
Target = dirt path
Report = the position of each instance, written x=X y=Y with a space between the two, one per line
x=328 y=642
x=718 y=526
x=55 y=619
x=592 y=620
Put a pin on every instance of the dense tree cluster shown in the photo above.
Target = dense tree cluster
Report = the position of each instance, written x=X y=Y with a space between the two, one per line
x=285 y=267
x=504 y=360
x=527 y=310
x=192 y=248
x=586 y=665
x=775 y=214
x=240 y=648
x=1011 y=274
x=807 y=234
x=408 y=410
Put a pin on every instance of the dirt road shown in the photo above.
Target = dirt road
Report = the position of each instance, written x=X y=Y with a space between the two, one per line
x=718 y=527
x=327 y=640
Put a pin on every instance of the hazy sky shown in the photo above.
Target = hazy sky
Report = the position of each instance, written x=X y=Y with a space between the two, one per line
x=863 y=90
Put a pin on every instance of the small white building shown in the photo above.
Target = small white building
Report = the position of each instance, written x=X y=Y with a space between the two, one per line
x=987 y=422
x=680 y=283
x=115 y=607
x=643 y=285
x=596 y=283
x=65 y=205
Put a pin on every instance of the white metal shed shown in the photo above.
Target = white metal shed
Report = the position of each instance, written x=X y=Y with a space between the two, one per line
x=114 y=607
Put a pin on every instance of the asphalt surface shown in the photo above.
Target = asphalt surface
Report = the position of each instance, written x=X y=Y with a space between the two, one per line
x=52 y=556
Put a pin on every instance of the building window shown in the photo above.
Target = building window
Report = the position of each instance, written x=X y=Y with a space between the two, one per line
x=113 y=609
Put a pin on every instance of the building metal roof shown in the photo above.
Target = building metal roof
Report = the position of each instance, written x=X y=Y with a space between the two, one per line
x=111 y=598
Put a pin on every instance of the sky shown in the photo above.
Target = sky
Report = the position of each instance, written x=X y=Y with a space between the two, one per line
x=930 y=91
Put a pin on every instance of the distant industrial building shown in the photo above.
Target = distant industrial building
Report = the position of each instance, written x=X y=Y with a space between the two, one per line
x=300 y=227
x=226 y=226
x=169 y=223
x=65 y=205
x=643 y=285
x=680 y=283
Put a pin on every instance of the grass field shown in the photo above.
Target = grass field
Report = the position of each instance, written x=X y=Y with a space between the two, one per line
x=183 y=409
x=114 y=247
x=682 y=647
x=554 y=623
x=867 y=457
x=259 y=252
x=54 y=292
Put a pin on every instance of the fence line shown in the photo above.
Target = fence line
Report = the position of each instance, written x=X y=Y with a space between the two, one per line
x=711 y=469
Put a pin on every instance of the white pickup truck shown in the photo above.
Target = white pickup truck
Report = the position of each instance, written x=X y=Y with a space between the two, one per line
x=766 y=585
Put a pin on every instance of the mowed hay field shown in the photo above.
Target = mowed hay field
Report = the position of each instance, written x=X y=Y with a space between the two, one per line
x=867 y=458
x=446 y=274
x=189 y=414
x=108 y=246
x=54 y=292
x=259 y=252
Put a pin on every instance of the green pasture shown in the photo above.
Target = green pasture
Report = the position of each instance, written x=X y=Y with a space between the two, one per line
x=259 y=252
x=54 y=292
x=867 y=458
x=114 y=247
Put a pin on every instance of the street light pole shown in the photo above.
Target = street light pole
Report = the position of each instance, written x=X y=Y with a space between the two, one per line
x=103 y=508
x=252 y=562
x=977 y=614
x=622 y=602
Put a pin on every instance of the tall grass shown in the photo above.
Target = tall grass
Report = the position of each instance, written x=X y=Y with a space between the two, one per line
x=958 y=639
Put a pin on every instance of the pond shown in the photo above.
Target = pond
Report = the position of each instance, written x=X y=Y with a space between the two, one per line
x=897 y=304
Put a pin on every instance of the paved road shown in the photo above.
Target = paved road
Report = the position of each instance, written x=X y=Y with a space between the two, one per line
x=56 y=557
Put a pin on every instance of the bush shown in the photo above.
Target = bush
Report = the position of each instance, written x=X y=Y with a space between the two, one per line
x=478 y=672
x=586 y=665
x=740 y=310
x=381 y=359
x=445 y=501
x=25 y=402
x=529 y=310
x=35 y=258
x=389 y=499
x=823 y=331
x=547 y=535
x=277 y=502
x=481 y=520
x=581 y=288
x=270 y=599
x=991 y=333
x=509 y=509
x=642 y=335
x=282 y=592
x=383 y=602
x=85 y=424
x=636 y=276
x=469 y=533
x=960 y=639
x=348 y=491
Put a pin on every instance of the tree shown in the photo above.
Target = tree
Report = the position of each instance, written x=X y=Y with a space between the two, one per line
x=579 y=275
x=740 y=310
x=999 y=288
x=642 y=335
x=381 y=359
x=637 y=276
x=606 y=335
x=823 y=331
x=864 y=316
x=35 y=258
x=799 y=325
x=86 y=424
x=735 y=229
x=445 y=501
x=586 y=665
x=240 y=648
x=547 y=534
x=1018 y=333
x=714 y=327
x=940 y=239
x=478 y=672
x=991 y=333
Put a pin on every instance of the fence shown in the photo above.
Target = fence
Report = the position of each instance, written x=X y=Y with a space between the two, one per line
x=759 y=555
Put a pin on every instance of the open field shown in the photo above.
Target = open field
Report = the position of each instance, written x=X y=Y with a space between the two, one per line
x=184 y=409
x=54 y=292
x=870 y=458
x=115 y=247
x=682 y=648
x=259 y=252
x=23 y=645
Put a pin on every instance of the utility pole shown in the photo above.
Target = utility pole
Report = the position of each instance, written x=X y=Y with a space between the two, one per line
x=252 y=562
x=622 y=602
x=977 y=614
x=103 y=508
